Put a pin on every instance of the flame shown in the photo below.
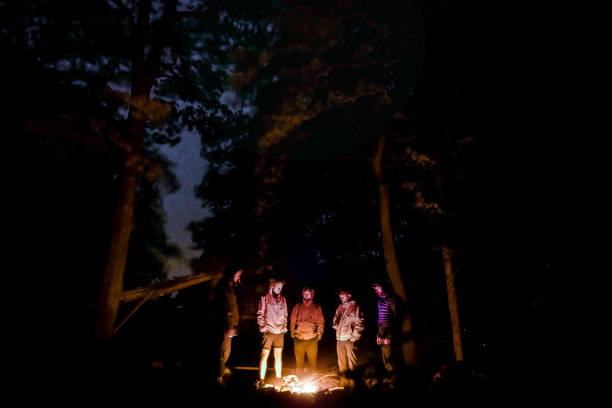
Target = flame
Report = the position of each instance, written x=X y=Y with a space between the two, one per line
x=312 y=385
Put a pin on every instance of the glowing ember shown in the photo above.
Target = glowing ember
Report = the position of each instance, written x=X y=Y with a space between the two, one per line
x=314 y=384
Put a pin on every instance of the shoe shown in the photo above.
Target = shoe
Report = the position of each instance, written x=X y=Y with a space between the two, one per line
x=388 y=383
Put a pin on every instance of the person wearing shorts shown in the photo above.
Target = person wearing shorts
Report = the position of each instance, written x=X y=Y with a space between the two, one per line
x=272 y=315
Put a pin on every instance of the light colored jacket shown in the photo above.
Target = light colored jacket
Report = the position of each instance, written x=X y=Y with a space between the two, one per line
x=272 y=314
x=348 y=322
x=307 y=321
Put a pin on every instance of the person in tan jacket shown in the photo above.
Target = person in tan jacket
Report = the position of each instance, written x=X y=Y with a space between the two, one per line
x=306 y=326
x=272 y=316
x=349 y=324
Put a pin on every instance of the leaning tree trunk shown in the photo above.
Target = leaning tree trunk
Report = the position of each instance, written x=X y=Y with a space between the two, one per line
x=143 y=70
x=112 y=283
x=409 y=351
x=448 y=273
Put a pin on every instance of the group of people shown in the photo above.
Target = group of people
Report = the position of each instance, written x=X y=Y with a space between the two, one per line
x=306 y=324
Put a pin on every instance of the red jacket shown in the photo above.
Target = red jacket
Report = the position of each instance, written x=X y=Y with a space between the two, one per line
x=307 y=321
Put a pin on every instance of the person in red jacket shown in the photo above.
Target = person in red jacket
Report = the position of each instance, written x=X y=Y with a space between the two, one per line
x=306 y=326
x=272 y=316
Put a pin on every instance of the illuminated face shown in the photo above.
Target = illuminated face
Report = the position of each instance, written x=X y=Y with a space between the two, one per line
x=278 y=286
x=344 y=296
x=378 y=289
x=237 y=275
x=307 y=295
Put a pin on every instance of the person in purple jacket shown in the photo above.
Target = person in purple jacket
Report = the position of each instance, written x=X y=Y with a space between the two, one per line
x=387 y=314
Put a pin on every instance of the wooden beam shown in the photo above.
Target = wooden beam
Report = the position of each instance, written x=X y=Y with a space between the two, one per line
x=163 y=288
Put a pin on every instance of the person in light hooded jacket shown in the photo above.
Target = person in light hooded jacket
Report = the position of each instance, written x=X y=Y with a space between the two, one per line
x=349 y=324
x=272 y=314
x=306 y=325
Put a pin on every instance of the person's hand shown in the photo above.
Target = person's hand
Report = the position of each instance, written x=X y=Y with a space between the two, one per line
x=378 y=340
x=231 y=333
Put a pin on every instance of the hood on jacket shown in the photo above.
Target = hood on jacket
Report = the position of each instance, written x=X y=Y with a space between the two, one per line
x=273 y=282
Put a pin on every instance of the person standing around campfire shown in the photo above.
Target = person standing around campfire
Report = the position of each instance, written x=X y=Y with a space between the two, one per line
x=349 y=324
x=231 y=317
x=386 y=316
x=306 y=325
x=272 y=316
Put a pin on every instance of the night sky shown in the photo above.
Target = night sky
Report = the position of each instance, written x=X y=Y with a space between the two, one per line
x=182 y=207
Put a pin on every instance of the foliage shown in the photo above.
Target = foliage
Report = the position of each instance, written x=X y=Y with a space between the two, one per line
x=71 y=67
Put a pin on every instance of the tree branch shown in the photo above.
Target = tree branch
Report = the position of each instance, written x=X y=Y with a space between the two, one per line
x=154 y=62
x=124 y=11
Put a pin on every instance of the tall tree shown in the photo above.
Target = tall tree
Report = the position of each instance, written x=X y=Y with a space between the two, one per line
x=329 y=63
x=148 y=69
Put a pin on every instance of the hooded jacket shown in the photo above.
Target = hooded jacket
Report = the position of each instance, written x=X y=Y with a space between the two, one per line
x=348 y=322
x=272 y=313
x=307 y=320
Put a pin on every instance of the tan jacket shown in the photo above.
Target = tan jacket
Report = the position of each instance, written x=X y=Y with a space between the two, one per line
x=307 y=321
x=348 y=322
x=272 y=314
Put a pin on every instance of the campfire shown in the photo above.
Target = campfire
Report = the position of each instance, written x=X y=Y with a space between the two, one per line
x=315 y=383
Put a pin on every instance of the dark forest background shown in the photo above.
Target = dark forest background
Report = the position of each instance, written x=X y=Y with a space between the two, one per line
x=458 y=89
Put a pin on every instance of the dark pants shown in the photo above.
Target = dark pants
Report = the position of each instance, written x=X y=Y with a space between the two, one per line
x=384 y=334
x=385 y=350
x=224 y=352
x=305 y=348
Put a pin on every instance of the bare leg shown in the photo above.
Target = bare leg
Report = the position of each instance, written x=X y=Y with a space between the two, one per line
x=278 y=362
x=263 y=364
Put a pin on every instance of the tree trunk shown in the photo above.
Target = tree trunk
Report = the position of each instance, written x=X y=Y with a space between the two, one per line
x=448 y=272
x=452 y=300
x=409 y=351
x=112 y=282
x=132 y=143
